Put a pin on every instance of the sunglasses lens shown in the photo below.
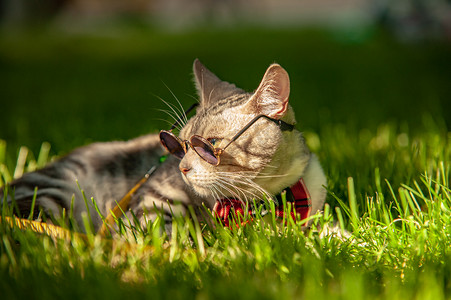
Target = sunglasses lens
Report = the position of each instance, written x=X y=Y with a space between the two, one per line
x=172 y=144
x=204 y=149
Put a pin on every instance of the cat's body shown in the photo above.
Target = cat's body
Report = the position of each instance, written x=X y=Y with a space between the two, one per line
x=260 y=163
x=104 y=171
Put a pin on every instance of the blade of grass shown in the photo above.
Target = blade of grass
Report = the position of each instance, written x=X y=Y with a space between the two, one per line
x=21 y=160
x=43 y=156
x=353 y=204
x=33 y=203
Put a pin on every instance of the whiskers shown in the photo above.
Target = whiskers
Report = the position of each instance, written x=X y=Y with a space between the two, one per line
x=176 y=112
x=239 y=185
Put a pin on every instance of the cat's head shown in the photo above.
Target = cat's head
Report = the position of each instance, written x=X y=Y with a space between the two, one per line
x=264 y=159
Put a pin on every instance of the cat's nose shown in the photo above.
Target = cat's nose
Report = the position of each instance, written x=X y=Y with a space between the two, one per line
x=184 y=170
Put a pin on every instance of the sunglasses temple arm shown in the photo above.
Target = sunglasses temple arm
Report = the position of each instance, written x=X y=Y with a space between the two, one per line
x=177 y=122
x=284 y=126
x=239 y=133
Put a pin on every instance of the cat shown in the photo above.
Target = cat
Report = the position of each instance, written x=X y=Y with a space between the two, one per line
x=261 y=162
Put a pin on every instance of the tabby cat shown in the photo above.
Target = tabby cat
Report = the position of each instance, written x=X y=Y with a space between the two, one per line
x=261 y=162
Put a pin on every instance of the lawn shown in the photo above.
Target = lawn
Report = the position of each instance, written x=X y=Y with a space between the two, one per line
x=376 y=111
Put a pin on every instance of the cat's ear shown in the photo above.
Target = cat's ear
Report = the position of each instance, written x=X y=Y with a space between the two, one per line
x=271 y=97
x=209 y=87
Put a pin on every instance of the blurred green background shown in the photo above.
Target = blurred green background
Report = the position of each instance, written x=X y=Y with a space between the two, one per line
x=69 y=77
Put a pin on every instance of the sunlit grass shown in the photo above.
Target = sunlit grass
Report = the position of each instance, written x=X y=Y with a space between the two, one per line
x=391 y=240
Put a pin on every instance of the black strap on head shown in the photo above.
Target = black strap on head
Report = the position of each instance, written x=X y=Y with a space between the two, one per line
x=283 y=125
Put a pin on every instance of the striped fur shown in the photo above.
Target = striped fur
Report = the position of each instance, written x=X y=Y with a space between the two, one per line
x=262 y=162
x=103 y=171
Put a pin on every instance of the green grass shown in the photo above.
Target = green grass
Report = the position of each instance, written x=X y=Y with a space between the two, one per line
x=375 y=111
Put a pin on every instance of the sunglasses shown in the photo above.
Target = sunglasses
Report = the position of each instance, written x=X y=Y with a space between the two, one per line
x=203 y=147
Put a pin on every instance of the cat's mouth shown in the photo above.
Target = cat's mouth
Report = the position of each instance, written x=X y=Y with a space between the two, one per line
x=201 y=184
x=208 y=186
x=213 y=191
x=203 y=190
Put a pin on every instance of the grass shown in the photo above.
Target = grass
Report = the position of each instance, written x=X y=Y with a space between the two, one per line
x=375 y=111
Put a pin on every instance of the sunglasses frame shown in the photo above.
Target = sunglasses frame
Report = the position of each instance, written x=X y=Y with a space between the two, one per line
x=216 y=152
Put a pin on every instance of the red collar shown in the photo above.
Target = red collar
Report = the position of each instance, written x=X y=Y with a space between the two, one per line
x=298 y=195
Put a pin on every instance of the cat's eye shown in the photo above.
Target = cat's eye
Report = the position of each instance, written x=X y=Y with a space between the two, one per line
x=205 y=147
x=214 y=141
